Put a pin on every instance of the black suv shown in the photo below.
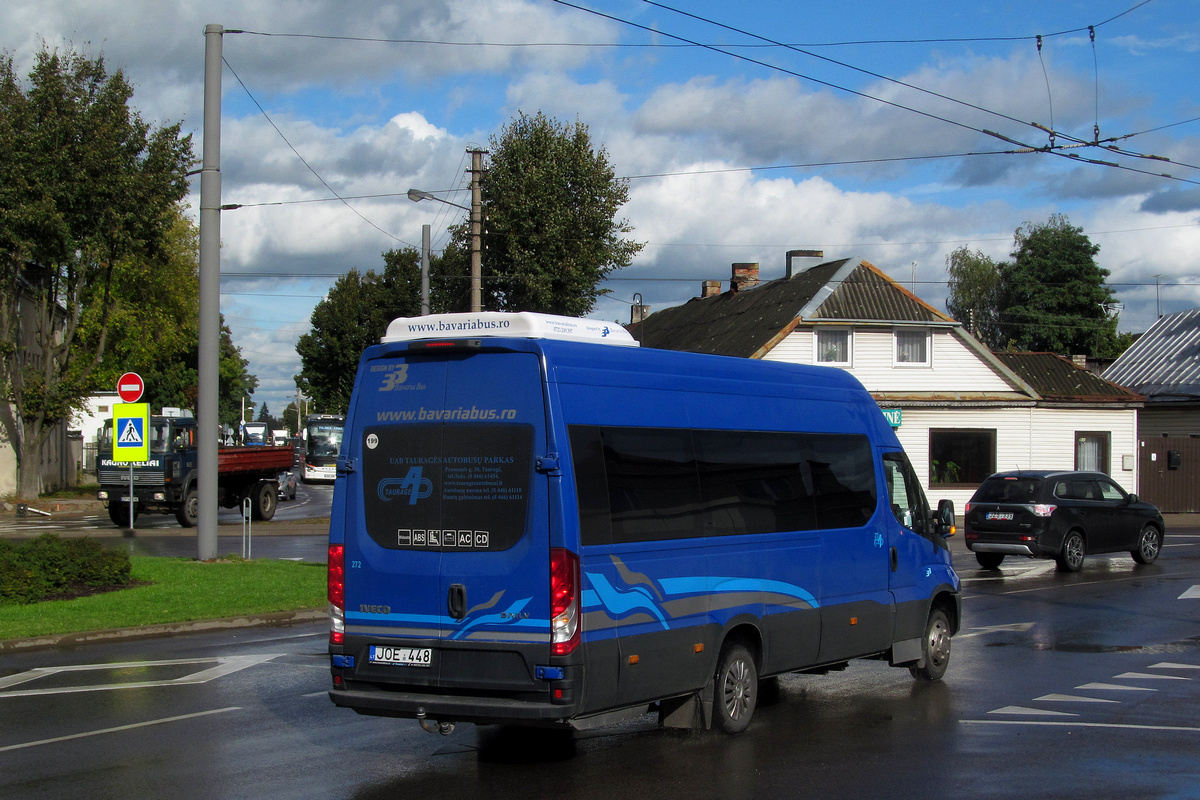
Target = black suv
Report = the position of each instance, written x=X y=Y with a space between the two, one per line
x=1060 y=515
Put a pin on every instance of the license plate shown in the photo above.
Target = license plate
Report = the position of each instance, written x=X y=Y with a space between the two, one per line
x=401 y=656
x=999 y=515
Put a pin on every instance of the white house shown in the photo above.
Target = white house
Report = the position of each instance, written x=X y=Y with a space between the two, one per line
x=960 y=411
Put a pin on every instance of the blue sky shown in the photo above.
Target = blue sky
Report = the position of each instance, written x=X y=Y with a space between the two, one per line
x=864 y=137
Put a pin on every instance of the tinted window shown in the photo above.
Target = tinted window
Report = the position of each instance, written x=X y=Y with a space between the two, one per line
x=1008 y=490
x=647 y=484
x=446 y=486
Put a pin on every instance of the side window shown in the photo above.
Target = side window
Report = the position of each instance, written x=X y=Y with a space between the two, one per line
x=905 y=495
x=1110 y=492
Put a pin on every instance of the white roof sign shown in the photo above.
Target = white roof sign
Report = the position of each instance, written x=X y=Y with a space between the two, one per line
x=509 y=325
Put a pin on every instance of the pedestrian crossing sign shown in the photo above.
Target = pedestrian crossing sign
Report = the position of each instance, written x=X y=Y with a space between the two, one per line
x=131 y=423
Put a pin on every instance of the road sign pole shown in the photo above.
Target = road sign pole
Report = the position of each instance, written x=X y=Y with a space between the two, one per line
x=131 y=497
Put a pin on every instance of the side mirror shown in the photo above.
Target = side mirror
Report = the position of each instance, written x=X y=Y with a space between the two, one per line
x=945 y=519
x=1133 y=498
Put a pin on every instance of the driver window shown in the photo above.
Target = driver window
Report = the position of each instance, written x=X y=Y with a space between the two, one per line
x=905 y=495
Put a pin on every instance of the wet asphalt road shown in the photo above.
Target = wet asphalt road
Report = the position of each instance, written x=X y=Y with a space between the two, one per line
x=1064 y=686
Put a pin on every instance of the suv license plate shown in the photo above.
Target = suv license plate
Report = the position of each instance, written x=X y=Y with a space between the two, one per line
x=401 y=656
x=1000 y=515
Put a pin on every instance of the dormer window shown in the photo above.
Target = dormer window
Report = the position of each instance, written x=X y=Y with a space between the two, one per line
x=912 y=347
x=833 y=347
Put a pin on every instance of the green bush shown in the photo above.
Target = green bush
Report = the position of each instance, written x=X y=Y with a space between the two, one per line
x=50 y=566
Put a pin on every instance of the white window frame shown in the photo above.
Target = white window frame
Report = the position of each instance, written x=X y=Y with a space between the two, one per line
x=927 y=363
x=849 y=332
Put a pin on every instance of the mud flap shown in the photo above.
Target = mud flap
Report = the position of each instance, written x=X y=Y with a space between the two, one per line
x=907 y=652
x=692 y=712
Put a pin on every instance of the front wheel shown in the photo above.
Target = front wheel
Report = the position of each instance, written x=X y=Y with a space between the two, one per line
x=737 y=689
x=188 y=512
x=118 y=512
x=263 y=499
x=1070 y=558
x=1149 y=545
x=935 y=648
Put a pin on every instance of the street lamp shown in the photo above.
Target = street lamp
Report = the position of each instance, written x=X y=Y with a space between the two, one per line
x=416 y=195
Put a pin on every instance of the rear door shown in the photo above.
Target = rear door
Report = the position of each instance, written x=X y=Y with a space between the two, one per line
x=454 y=545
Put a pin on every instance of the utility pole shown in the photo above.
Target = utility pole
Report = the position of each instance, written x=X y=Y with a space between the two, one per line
x=476 y=231
x=207 y=424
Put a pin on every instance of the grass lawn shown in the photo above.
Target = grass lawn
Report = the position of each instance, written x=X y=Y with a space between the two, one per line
x=176 y=590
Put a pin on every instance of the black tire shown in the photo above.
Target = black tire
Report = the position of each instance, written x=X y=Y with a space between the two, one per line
x=188 y=512
x=935 y=648
x=1149 y=545
x=118 y=512
x=264 y=497
x=736 y=689
x=990 y=560
x=1070 y=557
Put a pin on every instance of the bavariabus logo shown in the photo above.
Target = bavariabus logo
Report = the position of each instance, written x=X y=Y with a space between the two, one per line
x=413 y=486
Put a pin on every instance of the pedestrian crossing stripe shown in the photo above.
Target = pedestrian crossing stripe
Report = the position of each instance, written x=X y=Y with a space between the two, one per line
x=132 y=435
x=1191 y=594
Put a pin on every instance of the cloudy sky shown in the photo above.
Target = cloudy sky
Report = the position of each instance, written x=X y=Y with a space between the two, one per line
x=745 y=129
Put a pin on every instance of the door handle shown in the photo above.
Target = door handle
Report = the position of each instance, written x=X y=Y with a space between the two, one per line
x=895 y=560
x=456 y=601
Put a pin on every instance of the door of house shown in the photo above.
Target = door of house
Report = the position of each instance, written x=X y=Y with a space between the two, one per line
x=1170 y=473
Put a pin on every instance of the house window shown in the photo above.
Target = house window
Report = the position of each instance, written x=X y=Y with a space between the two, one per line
x=912 y=347
x=833 y=346
x=961 y=457
x=1091 y=451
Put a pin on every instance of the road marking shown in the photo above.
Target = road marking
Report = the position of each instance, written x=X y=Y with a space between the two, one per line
x=1016 y=627
x=1191 y=594
x=1021 y=710
x=1055 y=723
x=1172 y=665
x=1038 y=568
x=225 y=665
x=119 y=728
x=1145 y=675
x=1115 y=687
x=1071 y=698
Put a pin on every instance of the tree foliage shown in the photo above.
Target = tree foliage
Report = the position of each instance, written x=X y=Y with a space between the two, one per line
x=551 y=235
x=88 y=194
x=1051 y=297
x=974 y=293
x=355 y=314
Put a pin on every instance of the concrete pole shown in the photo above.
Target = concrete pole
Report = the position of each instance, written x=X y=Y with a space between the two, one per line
x=424 y=270
x=476 y=231
x=207 y=424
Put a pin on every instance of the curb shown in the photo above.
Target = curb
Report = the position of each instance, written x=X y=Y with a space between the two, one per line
x=273 y=620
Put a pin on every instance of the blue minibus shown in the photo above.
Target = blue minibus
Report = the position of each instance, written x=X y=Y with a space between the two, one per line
x=537 y=522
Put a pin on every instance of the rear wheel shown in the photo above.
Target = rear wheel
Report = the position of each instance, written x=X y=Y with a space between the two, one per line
x=1070 y=558
x=737 y=689
x=263 y=499
x=935 y=648
x=1149 y=545
x=188 y=512
x=990 y=560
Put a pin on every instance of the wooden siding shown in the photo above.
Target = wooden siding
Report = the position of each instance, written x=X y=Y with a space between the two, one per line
x=953 y=366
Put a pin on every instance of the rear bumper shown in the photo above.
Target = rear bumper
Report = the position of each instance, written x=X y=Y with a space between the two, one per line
x=451 y=708
x=1007 y=549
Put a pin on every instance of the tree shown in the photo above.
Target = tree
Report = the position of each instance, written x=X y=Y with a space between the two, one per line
x=1052 y=294
x=354 y=315
x=88 y=194
x=974 y=293
x=550 y=229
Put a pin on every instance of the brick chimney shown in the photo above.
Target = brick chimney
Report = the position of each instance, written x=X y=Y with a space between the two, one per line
x=710 y=289
x=745 y=276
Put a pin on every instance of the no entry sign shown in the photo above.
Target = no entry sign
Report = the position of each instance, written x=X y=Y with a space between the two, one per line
x=130 y=387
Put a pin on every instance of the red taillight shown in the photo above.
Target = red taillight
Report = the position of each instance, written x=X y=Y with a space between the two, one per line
x=1043 y=510
x=564 y=601
x=967 y=509
x=336 y=592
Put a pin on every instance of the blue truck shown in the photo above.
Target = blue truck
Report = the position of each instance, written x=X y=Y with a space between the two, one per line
x=537 y=522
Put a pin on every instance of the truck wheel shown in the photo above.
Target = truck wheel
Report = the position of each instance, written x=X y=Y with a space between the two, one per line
x=118 y=512
x=188 y=513
x=737 y=689
x=263 y=499
x=935 y=648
